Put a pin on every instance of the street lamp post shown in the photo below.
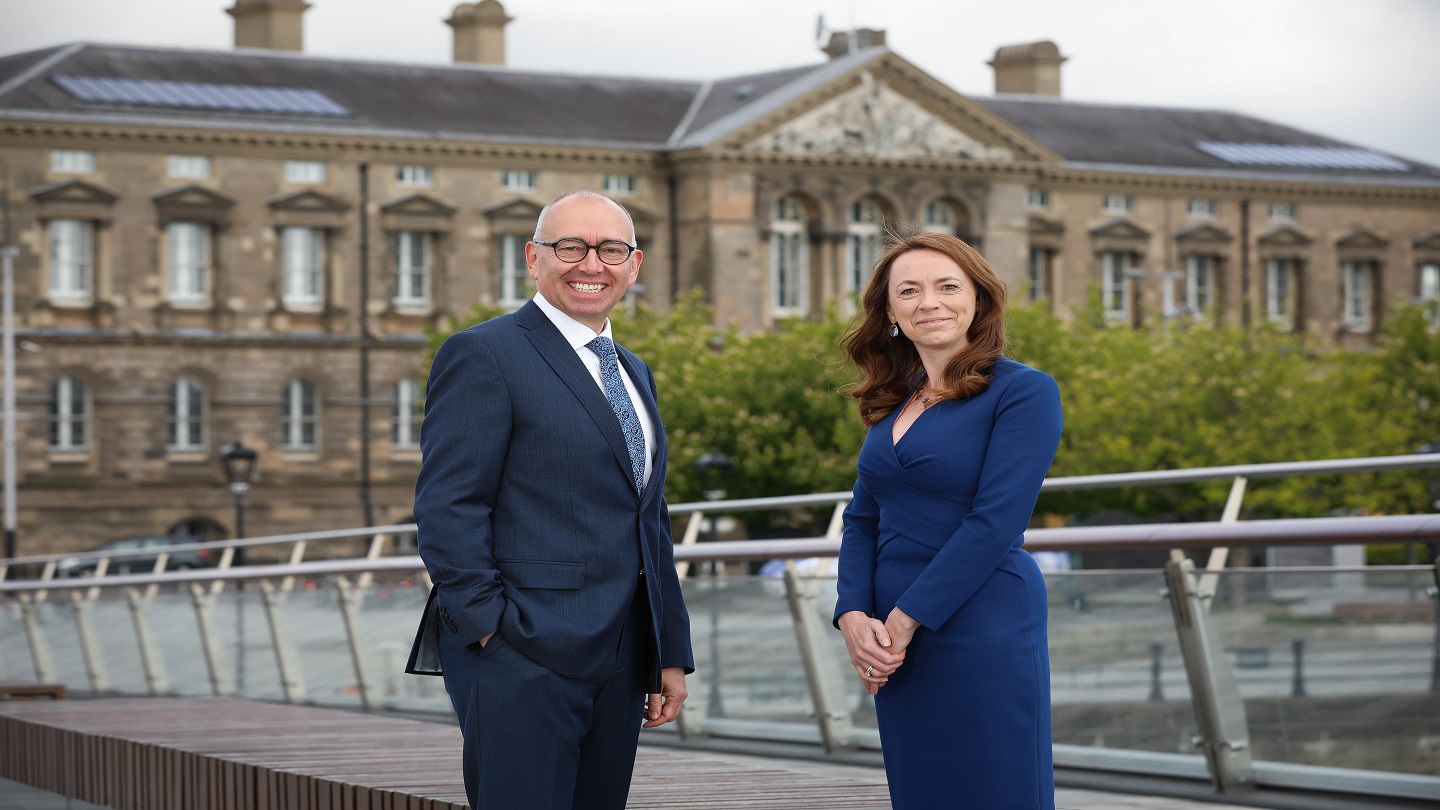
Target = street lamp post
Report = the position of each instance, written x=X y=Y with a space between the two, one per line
x=239 y=464
x=714 y=469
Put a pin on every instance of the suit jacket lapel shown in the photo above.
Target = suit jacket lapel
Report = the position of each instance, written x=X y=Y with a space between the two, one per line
x=561 y=356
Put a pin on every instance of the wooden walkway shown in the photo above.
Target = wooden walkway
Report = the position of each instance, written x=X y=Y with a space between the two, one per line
x=235 y=754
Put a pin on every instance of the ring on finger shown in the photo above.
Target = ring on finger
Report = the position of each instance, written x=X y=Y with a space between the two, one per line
x=870 y=670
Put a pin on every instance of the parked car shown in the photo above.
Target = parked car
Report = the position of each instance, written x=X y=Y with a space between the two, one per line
x=138 y=559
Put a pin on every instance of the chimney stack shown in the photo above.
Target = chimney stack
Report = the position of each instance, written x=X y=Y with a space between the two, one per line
x=479 y=32
x=274 y=24
x=1032 y=68
x=864 y=38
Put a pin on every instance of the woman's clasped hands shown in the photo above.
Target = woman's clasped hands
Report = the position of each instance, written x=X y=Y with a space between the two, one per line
x=877 y=648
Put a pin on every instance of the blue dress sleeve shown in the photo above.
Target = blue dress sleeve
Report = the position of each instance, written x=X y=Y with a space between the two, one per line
x=1024 y=436
x=856 y=583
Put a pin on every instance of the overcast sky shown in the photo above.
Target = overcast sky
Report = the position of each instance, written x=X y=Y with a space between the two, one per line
x=1363 y=71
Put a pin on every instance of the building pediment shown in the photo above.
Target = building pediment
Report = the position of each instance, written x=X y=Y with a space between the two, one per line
x=1284 y=236
x=417 y=205
x=1203 y=234
x=1040 y=226
x=309 y=201
x=1361 y=239
x=1120 y=229
x=193 y=203
x=517 y=208
x=73 y=192
x=1428 y=241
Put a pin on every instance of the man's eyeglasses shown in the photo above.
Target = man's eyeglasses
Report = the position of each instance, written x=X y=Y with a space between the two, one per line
x=570 y=251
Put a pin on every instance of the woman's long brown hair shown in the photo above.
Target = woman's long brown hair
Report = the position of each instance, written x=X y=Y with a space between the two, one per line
x=889 y=366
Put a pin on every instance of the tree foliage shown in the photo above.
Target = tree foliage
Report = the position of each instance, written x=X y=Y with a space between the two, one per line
x=1165 y=397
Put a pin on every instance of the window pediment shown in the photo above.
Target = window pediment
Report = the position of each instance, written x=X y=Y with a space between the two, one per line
x=1284 y=236
x=1429 y=242
x=193 y=203
x=1120 y=229
x=309 y=209
x=417 y=205
x=1361 y=239
x=1204 y=234
x=516 y=208
x=74 y=199
x=1041 y=226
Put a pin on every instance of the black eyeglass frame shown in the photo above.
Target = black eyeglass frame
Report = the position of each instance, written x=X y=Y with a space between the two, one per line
x=555 y=248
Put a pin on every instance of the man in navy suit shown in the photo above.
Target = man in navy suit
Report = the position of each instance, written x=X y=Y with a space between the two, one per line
x=556 y=615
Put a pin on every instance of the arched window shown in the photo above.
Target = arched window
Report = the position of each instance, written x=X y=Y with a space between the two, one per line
x=69 y=415
x=862 y=244
x=300 y=416
x=409 y=407
x=789 y=258
x=940 y=217
x=187 y=415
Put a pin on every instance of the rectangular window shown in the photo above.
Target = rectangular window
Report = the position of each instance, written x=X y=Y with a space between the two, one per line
x=304 y=171
x=1430 y=290
x=1115 y=285
x=72 y=161
x=514 y=277
x=787 y=255
x=415 y=176
x=1199 y=283
x=1037 y=276
x=1282 y=212
x=619 y=184
x=303 y=258
x=1280 y=292
x=1119 y=204
x=1357 y=296
x=188 y=248
x=519 y=181
x=68 y=415
x=300 y=418
x=188 y=166
x=72 y=259
x=1201 y=209
x=187 y=416
x=409 y=409
x=412 y=269
x=1037 y=199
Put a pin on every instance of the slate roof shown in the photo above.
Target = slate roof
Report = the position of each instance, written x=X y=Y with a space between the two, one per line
x=1164 y=139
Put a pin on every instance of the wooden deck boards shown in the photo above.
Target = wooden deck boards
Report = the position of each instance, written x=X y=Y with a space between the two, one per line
x=236 y=754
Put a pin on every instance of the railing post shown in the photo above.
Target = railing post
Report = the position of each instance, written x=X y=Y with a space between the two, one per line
x=205 y=618
x=1435 y=648
x=1219 y=712
x=80 y=605
x=836 y=732
x=1297 y=675
x=350 y=599
x=286 y=662
x=39 y=650
x=155 y=679
x=1156 y=693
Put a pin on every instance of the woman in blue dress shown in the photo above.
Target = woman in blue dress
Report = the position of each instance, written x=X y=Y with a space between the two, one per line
x=943 y=612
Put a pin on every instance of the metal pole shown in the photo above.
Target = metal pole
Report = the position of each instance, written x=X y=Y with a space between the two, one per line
x=366 y=501
x=716 y=707
x=1297 y=676
x=239 y=488
x=7 y=258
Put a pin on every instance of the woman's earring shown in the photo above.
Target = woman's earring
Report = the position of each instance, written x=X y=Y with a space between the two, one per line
x=894 y=329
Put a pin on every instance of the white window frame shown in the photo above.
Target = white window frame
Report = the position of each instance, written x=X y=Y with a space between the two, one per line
x=940 y=217
x=1282 y=212
x=1115 y=285
x=620 y=185
x=1037 y=274
x=518 y=180
x=72 y=260
x=72 y=161
x=409 y=411
x=512 y=270
x=863 y=237
x=186 y=416
x=1037 y=199
x=1358 y=281
x=412 y=278
x=195 y=167
x=789 y=259
x=69 y=416
x=297 y=420
x=414 y=176
x=187 y=259
x=1119 y=204
x=1280 y=276
x=306 y=172
x=1430 y=290
x=1199 y=285
x=1201 y=208
x=302 y=267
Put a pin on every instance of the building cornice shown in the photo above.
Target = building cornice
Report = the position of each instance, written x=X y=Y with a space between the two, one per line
x=1165 y=182
x=113 y=337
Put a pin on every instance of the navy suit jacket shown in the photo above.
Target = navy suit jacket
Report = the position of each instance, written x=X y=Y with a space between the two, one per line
x=529 y=521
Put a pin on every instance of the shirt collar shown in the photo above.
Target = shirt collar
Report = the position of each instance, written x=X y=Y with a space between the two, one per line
x=576 y=334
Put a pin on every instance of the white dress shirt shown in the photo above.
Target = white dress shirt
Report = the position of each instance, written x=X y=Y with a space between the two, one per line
x=577 y=335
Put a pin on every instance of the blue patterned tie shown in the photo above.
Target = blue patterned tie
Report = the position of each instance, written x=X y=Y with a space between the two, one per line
x=621 y=405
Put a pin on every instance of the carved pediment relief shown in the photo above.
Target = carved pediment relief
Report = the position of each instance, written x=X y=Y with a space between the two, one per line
x=309 y=201
x=1203 y=234
x=1120 y=229
x=417 y=205
x=1040 y=226
x=1284 y=236
x=73 y=192
x=875 y=120
x=1361 y=239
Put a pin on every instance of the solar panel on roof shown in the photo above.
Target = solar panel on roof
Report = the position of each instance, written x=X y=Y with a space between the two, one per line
x=1323 y=157
x=200 y=96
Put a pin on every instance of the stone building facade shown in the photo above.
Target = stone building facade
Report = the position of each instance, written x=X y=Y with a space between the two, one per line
x=252 y=244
